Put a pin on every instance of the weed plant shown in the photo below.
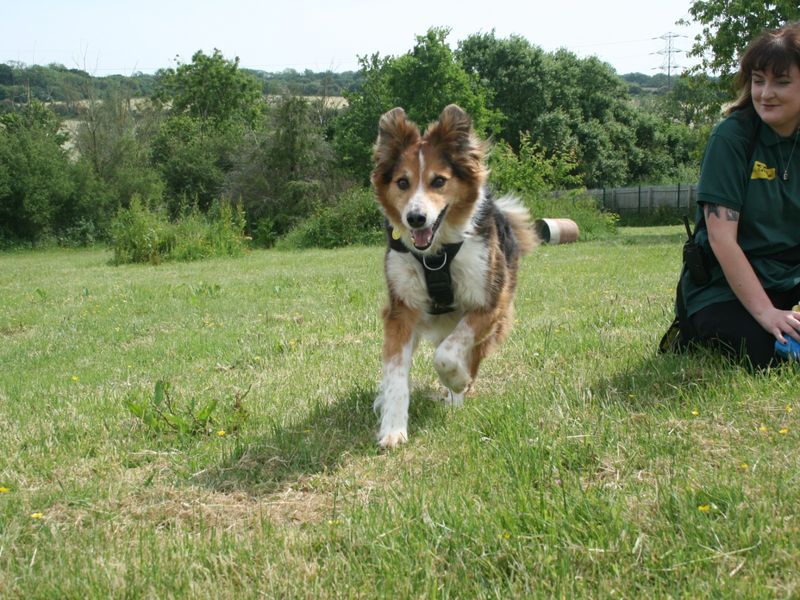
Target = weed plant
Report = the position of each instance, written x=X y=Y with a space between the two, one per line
x=142 y=235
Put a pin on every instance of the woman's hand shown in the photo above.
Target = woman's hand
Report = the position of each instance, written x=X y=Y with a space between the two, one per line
x=781 y=323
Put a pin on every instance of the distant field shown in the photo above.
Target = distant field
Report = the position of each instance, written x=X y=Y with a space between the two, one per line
x=584 y=465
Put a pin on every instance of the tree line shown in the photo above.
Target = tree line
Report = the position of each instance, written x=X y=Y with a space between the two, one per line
x=210 y=132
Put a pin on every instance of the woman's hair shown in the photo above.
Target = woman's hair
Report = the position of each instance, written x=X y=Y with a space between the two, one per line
x=776 y=50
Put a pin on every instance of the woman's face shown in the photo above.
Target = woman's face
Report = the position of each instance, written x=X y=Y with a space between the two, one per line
x=776 y=99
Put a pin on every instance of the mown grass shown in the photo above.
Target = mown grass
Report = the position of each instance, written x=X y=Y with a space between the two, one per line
x=585 y=465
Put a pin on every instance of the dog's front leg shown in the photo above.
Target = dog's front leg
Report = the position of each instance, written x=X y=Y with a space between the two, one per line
x=457 y=358
x=392 y=401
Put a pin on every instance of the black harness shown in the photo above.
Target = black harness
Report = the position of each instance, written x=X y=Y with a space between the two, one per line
x=437 y=273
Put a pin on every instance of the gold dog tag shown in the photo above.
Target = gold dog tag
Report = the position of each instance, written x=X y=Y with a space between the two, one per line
x=396 y=235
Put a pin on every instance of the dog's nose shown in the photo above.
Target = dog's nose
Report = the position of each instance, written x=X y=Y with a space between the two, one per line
x=416 y=220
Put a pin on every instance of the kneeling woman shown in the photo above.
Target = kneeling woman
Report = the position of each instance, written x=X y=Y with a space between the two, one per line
x=749 y=210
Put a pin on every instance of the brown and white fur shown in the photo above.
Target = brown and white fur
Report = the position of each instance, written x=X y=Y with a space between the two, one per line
x=431 y=188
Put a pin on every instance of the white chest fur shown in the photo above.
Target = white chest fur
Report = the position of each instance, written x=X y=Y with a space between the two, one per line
x=468 y=272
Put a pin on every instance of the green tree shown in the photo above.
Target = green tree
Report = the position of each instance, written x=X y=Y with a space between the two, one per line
x=729 y=26
x=42 y=192
x=35 y=180
x=6 y=75
x=514 y=71
x=210 y=88
x=194 y=159
x=283 y=172
x=213 y=104
x=694 y=100
x=422 y=81
x=115 y=142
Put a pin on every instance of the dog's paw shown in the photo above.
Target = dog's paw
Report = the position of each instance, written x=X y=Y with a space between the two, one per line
x=392 y=439
x=449 y=364
x=454 y=399
x=449 y=397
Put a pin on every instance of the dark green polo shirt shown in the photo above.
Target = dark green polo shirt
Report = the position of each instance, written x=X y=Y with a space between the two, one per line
x=768 y=206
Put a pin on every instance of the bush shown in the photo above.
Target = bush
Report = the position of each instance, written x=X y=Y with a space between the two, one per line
x=531 y=170
x=531 y=174
x=140 y=235
x=220 y=233
x=354 y=219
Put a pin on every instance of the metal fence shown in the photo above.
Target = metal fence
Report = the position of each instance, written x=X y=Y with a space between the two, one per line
x=645 y=199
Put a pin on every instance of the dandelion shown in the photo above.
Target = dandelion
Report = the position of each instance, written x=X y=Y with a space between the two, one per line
x=744 y=466
x=788 y=408
x=221 y=433
x=783 y=430
x=75 y=378
x=4 y=490
x=763 y=429
x=704 y=508
x=506 y=535
x=696 y=412
x=37 y=515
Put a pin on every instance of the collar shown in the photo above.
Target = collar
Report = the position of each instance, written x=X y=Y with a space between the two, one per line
x=437 y=272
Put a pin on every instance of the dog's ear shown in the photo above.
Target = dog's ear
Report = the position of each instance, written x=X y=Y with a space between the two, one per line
x=455 y=119
x=395 y=134
x=454 y=135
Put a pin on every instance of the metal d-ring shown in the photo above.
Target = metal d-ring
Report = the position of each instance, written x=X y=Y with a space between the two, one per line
x=439 y=268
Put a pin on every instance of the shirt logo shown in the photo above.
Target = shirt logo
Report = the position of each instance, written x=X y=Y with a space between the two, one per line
x=761 y=171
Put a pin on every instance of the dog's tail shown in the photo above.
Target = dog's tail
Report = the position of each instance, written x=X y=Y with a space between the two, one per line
x=520 y=220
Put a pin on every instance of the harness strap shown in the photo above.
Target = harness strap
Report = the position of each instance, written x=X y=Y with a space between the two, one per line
x=437 y=273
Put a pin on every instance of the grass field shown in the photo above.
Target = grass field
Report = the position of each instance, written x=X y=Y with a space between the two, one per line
x=584 y=465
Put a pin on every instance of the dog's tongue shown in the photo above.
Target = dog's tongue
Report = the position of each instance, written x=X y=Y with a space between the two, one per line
x=422 y=237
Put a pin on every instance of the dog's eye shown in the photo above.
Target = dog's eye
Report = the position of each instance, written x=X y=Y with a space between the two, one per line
x=438 y=181
x=402 y=183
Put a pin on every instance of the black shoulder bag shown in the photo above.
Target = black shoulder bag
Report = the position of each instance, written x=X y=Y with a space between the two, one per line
x=695 y=261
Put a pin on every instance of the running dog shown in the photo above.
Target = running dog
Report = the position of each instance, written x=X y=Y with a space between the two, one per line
x=452 y=257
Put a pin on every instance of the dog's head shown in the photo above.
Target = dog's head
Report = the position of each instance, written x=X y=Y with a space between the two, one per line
x=428 y=184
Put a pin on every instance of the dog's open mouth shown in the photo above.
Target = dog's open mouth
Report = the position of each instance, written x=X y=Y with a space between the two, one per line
x=423 y=237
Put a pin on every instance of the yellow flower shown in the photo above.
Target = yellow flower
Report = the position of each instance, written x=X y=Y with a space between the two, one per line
x=784 y=430
x=37 y=515
x=788 y=408
x=75 y=378
x=704 y=508
x=763 y=429
x=744 y=466
x=506 y=536
x=221 y=433
x=696 y=412
x=4 y=490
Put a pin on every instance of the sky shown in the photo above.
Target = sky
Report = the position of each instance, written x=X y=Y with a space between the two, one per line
x=110 y=37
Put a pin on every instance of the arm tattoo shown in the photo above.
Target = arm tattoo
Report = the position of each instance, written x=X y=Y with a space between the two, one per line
x=714 y=209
